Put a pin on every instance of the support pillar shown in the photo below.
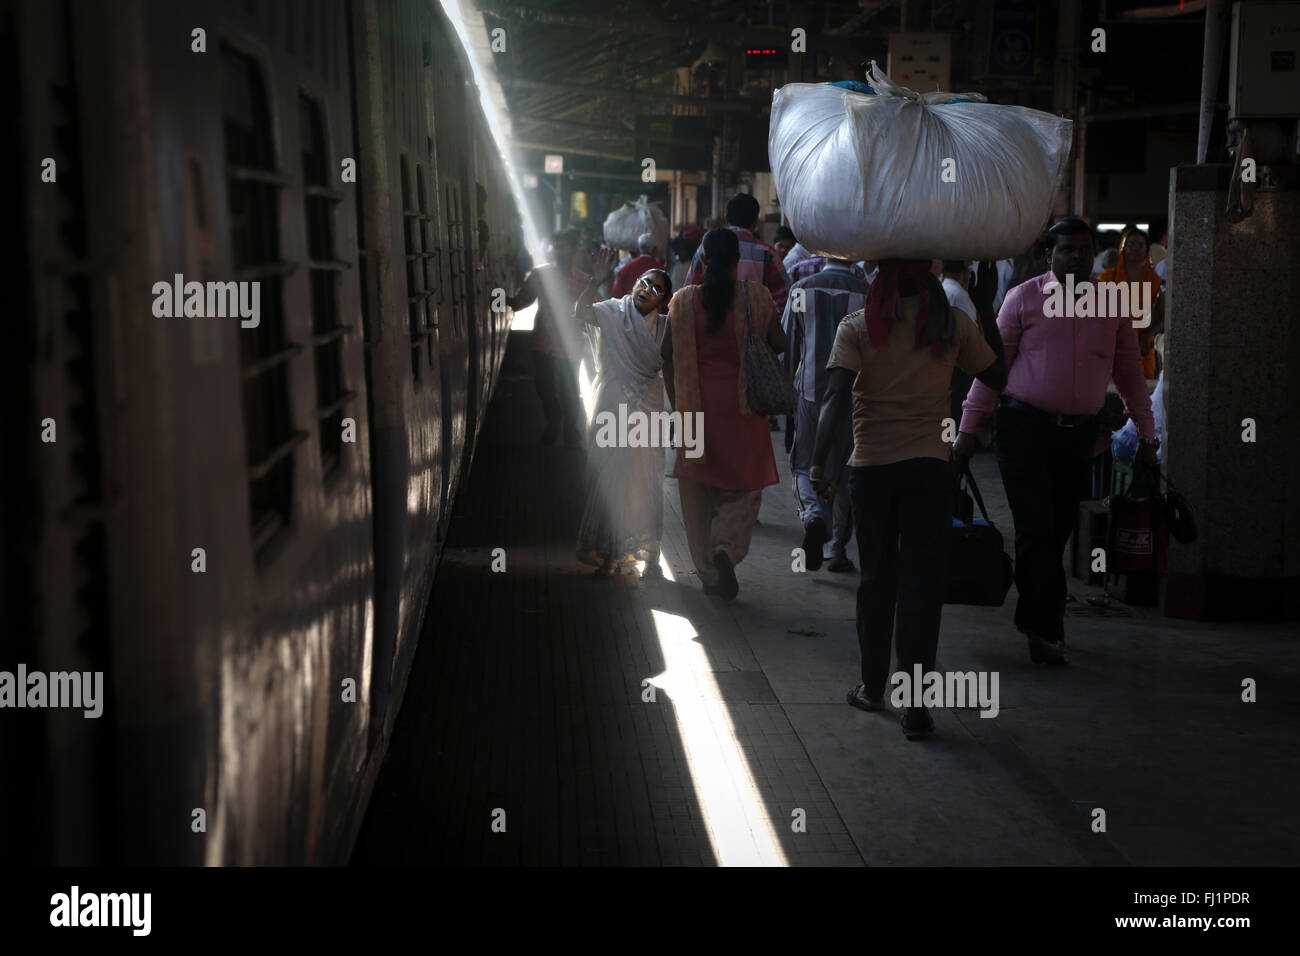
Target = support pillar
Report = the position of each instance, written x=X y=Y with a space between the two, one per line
x=1233 y=353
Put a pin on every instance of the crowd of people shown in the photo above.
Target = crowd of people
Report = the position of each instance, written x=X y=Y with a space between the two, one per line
x=900 y=368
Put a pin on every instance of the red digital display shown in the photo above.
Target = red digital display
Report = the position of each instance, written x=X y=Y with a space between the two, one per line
x=762 y=57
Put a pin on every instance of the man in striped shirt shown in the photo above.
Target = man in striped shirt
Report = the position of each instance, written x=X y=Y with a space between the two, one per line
x=815 y=264
x=813 y=313
x=759 y=262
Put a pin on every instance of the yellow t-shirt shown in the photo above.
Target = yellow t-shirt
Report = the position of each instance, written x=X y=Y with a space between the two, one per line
x=901 y=393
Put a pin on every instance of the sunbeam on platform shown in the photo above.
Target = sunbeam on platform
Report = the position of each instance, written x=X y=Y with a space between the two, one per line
x=740 y=831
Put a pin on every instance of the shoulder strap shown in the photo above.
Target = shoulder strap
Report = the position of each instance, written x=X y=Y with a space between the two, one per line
x=975 y=491
x=749 y=322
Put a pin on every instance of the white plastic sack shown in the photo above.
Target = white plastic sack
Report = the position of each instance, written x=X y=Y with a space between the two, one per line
x=866 y=177
x=629 y=221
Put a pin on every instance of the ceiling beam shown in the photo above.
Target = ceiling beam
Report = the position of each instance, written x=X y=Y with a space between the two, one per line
x=578 y=174
x=573 y=124
x=726 y=106
x=1146 y=112
x=574 y=150
x=737 y=34
x=624 y=137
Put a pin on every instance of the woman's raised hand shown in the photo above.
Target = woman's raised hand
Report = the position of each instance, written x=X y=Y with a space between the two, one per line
x=603 y=266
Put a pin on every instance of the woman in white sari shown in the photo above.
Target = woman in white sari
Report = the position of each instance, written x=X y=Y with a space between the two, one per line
x=623 y=520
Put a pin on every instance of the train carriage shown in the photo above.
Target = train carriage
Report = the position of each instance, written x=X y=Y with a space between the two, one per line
x=240 y=515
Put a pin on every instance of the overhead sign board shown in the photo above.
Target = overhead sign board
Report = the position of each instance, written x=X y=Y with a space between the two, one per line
x=1013 y=38
x=921 y=61
x=554 y=164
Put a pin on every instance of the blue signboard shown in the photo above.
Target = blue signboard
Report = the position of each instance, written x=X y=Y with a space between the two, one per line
x=1012 y=39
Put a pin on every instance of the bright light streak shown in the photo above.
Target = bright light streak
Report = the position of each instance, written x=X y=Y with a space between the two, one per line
x=587 y=389
x=483 y=71
x=733 y=809
x=663 y=565
x=524 y=318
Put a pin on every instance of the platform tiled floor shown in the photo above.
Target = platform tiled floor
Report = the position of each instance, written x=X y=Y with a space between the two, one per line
x=526 y=696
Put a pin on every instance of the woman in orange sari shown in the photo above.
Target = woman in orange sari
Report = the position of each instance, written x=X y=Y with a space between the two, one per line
x=1135 y=266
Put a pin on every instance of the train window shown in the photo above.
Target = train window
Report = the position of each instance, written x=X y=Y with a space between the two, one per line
x=369 y=295
x=264 y=351
x=427 y=243
x=327 y=333
x=419 y=253
x=456 y=255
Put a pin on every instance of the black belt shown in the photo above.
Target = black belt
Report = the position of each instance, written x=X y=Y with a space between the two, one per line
x=1060 y=421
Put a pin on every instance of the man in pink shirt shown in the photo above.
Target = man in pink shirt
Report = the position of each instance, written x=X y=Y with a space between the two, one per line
x=1058 y=365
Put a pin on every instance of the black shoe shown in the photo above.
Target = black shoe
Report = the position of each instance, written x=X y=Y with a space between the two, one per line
x=917 y=723
x=652 y=571
x=814 y=538
x=728 y=586
x=1043 y=651
x=858 y=698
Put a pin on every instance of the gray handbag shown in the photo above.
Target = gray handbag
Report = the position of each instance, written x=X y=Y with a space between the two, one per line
x=768 y=389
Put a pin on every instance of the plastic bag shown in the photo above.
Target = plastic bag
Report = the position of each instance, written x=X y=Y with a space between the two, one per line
x=629 y=221
x=1138 y=535
x=906 y=175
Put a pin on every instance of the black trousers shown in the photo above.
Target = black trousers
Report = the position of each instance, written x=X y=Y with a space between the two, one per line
x=557 y=386
x=1047 y=471
x=903 y=515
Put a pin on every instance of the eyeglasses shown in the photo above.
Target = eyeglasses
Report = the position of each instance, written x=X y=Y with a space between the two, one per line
x=657 y=290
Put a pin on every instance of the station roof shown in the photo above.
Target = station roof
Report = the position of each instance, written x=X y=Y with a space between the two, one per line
x=578 y=76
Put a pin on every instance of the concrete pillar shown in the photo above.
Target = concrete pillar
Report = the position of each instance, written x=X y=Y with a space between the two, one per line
x=1233 y=353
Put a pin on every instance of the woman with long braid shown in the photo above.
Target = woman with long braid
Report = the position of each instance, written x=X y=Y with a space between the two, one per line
x=722 y=489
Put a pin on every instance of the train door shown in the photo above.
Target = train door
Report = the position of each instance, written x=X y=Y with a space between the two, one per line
x=368 y=274
x=449 y=125
x=393 y=73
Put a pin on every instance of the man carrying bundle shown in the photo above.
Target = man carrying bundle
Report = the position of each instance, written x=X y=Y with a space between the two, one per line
x=896 y=358
x=1058 y=366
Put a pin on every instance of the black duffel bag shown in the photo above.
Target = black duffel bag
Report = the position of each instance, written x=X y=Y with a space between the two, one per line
x=979 y=570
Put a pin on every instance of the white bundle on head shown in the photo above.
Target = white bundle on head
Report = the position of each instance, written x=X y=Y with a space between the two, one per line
x=907 y=175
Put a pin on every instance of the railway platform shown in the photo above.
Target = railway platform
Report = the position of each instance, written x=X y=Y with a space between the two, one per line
x=555 y=719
